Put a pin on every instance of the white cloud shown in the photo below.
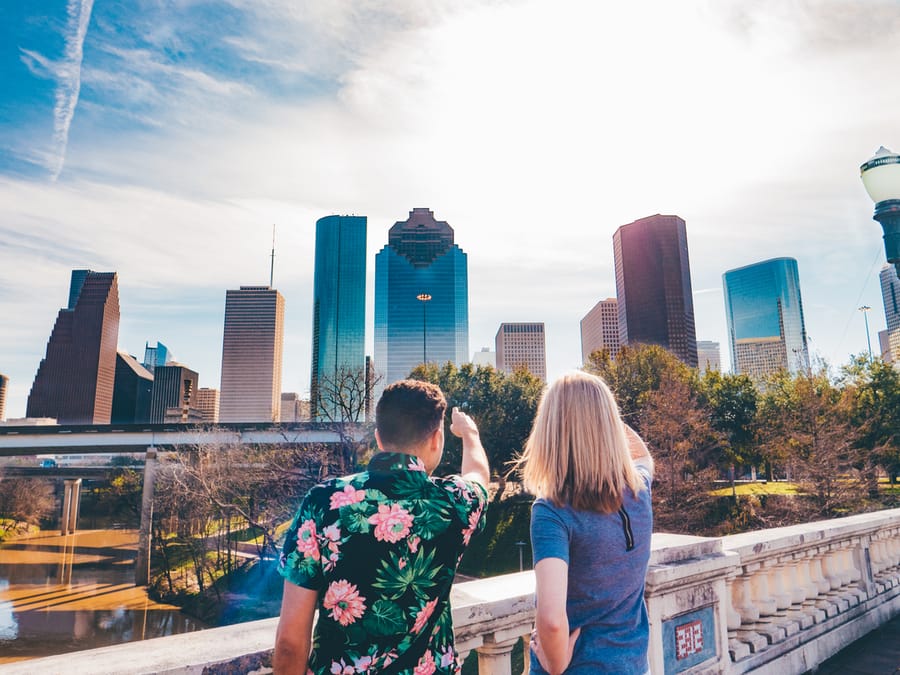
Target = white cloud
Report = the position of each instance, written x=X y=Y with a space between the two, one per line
x=534 y=129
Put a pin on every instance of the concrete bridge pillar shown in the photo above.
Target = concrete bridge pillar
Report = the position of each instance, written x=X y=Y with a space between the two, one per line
x=142 y=566
x=68 y=520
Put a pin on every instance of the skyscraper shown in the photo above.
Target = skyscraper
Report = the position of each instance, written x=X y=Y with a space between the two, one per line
x=74 y=381
x=708 y=355
x=133 y=388
x=522 y=344
x=600 y=329
x=174 y=393
x=890 y=294
x=764 y=313
x=156 y=356
x=252 y=346
x=653 y=285
x=4 y=385
x=339 y=311
x=421 y=297
x=208 y=404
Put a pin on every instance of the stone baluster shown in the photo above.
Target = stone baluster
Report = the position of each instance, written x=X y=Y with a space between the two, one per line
x=829 y=570
x=494 y=657
x=777 y=587
x=745 y=638
x=759 y=588
x=815 y=571
x=734 y=597
x=810 y=589
x=876 y=556
x=791 y=570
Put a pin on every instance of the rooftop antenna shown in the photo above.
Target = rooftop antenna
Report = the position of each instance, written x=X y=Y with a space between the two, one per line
x=272 y=267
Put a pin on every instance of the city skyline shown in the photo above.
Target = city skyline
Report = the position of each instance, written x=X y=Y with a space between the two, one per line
x=127 y=144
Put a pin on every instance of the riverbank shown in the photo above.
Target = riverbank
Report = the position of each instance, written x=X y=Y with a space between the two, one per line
x=65 y=593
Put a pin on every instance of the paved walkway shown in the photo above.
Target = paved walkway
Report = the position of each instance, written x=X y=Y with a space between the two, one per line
x=878 y=653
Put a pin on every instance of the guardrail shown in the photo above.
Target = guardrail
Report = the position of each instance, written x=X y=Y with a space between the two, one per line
x=774 y=601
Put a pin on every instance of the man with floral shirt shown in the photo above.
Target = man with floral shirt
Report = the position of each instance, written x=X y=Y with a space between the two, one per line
x=376 y=552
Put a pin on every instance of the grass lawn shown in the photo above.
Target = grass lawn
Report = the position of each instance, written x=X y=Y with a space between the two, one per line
x=773 y=488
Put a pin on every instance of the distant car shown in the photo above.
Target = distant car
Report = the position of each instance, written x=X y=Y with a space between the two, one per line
x=48 y=463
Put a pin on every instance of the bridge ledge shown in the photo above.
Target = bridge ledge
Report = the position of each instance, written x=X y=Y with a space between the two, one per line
x=775 y=601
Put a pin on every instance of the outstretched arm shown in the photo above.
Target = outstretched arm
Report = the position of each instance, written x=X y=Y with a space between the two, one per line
x=474 y=459
x=638 y=449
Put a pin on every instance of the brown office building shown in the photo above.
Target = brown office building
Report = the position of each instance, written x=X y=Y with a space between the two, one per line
x=653 y=286
x=252 y=346
x=74 y=382
x=131 y=396
x=174 y=395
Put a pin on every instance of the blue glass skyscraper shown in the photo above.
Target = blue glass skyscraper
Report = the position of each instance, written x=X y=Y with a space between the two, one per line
x=765 y=318
x=339 y=316
x=421 y=297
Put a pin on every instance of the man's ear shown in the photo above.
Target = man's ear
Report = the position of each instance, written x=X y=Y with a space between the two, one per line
x=437 y=439
x=378 y=440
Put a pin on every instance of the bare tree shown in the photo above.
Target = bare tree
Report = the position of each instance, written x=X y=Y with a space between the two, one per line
x=24 y=502
x=211 y=500
x=344 y=399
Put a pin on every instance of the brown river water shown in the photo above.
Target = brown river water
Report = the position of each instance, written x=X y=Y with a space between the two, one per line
x=63 y=594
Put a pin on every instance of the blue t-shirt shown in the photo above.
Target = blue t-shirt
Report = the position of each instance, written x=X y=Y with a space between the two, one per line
x=607 y=555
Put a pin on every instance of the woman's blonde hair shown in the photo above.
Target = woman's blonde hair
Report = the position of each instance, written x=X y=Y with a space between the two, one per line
x=577 y=452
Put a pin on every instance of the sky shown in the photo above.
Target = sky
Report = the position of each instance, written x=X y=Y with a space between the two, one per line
x=163 y=139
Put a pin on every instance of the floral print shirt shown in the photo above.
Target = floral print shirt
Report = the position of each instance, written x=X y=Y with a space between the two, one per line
x=381 y=547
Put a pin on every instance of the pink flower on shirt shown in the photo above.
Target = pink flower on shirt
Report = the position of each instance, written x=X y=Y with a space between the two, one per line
x=423 y=616
x=341 y=668
x=391 y=523
x=349 y=495
x=416 y=464
x=467 y=533
x=426 y=665
x=306 y=540
x=344 y=601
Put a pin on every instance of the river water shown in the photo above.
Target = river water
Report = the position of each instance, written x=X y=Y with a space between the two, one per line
x=62 y=594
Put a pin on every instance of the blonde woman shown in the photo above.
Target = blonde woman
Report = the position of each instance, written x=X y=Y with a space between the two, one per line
x=590 y=532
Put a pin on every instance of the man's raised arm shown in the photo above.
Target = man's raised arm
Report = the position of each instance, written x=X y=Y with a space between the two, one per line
x=474 y=459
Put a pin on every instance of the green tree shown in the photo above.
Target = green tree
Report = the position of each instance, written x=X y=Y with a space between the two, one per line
x=503 y=405
x=677 y=427
x=732 y=402
x=872 y=394
x=806 y=426
x=635 y=373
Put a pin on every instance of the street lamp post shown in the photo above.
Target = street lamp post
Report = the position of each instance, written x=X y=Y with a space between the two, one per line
x=865 y=309
x=424 y=298
x=881 y=178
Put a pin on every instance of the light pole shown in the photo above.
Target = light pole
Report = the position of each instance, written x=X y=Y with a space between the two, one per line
x=865 y=309
x=424 y=298
x=881 y=178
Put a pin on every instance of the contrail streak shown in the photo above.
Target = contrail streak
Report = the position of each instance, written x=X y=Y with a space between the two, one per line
x=69 y=78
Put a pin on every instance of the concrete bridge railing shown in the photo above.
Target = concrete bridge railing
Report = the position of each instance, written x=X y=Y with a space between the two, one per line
x=774 y=601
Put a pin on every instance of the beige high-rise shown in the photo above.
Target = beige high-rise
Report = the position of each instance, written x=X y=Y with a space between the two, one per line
x=600 y=329
x=252 y=347
x=522 y=344
x=208 y=404
x=4 y=385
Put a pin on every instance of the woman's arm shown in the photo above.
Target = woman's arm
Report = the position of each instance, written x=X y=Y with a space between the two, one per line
x=553 y=645
x=638 y=449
